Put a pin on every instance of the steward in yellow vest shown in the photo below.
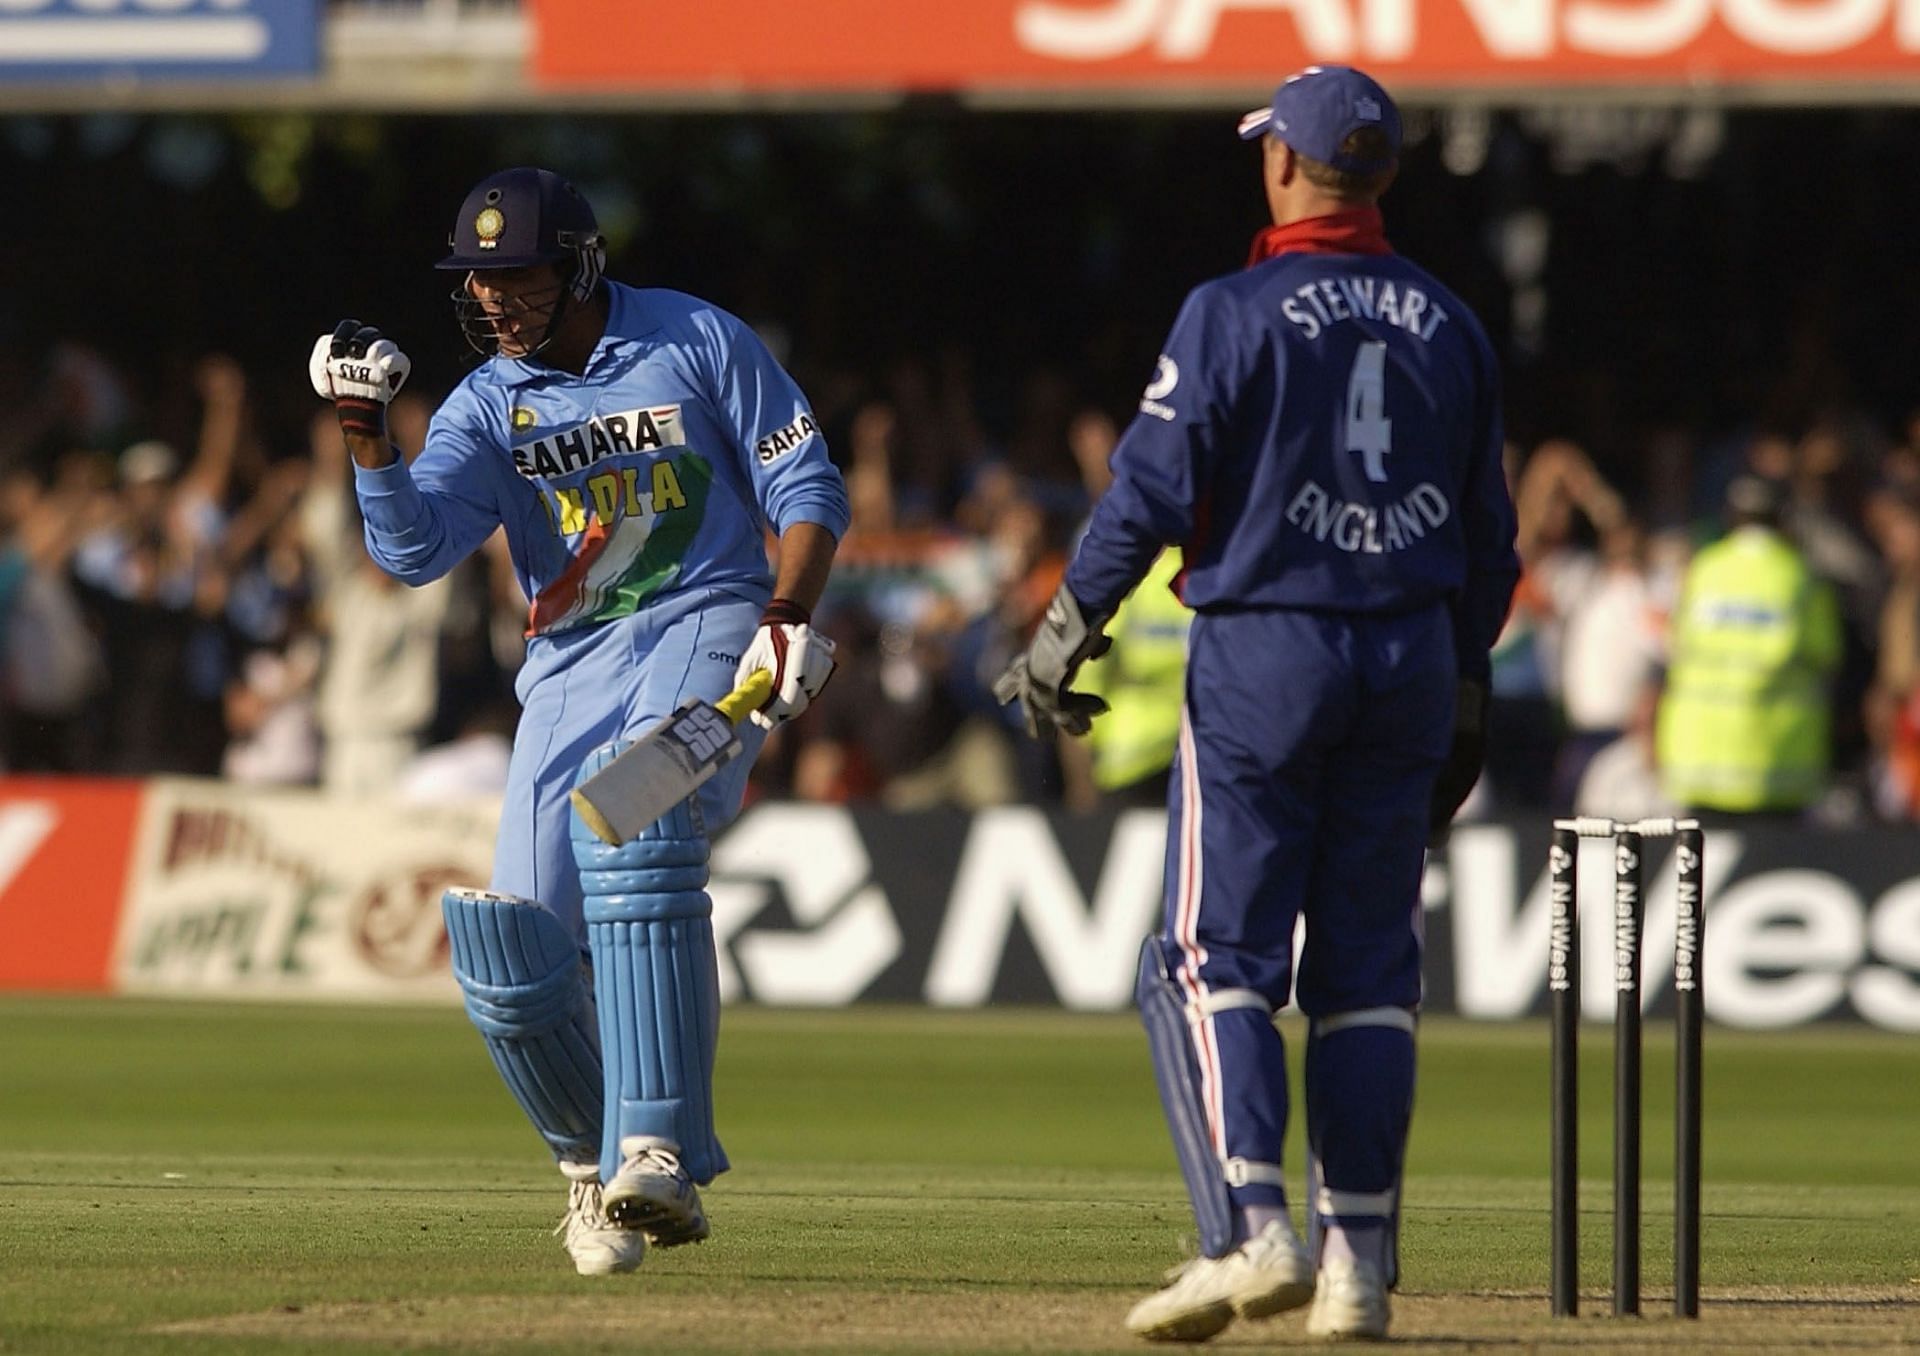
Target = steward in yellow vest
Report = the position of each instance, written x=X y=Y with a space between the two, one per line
x=1143 y=679
x=1743 y=725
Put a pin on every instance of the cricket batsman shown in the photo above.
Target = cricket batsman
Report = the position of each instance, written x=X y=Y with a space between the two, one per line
x=634 y=444
x=1322 y=439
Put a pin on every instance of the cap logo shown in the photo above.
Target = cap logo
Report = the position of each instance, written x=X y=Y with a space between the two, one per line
x=1367 y=109
x=488 y=226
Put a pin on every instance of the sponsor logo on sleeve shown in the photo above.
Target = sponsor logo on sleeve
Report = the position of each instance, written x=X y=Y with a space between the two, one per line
x=1166 y=376
x=783 y=440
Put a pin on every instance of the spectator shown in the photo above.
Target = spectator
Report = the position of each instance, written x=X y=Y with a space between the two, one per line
x=1143 y=681
x=1744 y=725
x=473 y=764
x=153 y=570
x=1621 y=780
x=274 y=738
x=50 y=665
x=1893 y=701
x=1554 y=491
x=1612 y=644
x=379 y=683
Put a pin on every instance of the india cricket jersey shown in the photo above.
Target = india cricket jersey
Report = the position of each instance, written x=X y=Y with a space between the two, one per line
x=655 y=471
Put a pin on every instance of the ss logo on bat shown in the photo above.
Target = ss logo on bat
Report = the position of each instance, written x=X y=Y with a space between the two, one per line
x=704 y=733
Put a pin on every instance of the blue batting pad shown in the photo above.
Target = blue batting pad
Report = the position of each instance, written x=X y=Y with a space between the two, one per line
x=1359 y=1087
x=526 y=990
x=1164 y=1014
x=650 y=929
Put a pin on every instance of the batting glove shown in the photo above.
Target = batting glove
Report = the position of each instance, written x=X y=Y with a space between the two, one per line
x=1465 y=758
x=359 y=370
x=799 y=658
x=1041 y=680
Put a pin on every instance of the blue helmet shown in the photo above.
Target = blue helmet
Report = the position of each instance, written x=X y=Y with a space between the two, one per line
x=519 y=218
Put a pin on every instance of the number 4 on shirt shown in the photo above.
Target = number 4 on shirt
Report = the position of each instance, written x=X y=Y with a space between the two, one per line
x=1369 y=431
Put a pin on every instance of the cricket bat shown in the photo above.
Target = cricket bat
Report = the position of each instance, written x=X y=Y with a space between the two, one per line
x=668 y=763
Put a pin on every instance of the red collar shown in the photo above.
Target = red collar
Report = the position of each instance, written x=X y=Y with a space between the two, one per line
x=1360 y=231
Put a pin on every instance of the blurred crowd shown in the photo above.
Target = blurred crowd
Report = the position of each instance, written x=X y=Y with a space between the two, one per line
x=202 y=605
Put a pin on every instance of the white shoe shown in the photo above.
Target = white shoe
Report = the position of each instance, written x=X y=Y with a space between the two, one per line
x=598 y=1247
x=1268 y=1274
x=652 y=1193
x=1350 y=1300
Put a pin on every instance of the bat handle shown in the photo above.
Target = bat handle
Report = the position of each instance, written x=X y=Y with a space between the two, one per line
x=749 y=696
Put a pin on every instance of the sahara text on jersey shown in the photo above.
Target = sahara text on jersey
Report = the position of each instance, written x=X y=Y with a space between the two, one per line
x=604 y=435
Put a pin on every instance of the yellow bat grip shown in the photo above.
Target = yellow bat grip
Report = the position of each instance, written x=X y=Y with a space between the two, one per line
x=749 y=696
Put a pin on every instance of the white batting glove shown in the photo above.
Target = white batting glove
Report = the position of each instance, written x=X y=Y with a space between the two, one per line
x=799 y=658
x=359 y=370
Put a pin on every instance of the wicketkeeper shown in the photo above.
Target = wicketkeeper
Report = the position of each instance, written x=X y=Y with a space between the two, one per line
x=634 y=444
x=1322 y=439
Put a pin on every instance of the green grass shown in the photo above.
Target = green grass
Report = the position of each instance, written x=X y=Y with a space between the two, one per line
x=350 y=1179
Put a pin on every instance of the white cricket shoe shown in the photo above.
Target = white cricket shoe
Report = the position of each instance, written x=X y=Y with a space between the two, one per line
x=597 y=1246
x=1350 y=1301
x=652 y=1193
x=1268 y=1274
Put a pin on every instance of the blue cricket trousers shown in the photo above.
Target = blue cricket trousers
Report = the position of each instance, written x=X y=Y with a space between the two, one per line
x=1308 y=751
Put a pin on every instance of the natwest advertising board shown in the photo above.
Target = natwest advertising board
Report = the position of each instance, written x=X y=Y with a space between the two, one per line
x=1048 y=44
x=203 y=890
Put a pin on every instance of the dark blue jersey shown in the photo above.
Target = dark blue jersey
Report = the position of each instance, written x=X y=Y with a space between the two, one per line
x=1323 y=432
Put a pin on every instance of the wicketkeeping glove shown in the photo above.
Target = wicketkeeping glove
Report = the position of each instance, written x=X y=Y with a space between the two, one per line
x=1041 y=680
x=799 y=658
x=359 y=370
x=1464 y=759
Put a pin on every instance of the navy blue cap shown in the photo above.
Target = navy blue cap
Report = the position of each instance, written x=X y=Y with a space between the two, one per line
x=1320 y=107
x=517 y=218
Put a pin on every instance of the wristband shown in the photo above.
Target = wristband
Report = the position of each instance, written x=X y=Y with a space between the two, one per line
x=785 y=612
x=366 y=418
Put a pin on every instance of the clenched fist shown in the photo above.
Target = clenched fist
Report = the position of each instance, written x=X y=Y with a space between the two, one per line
x=359 y=370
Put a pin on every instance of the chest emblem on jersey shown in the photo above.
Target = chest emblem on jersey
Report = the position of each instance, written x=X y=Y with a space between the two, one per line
x=605 y=435
x=522 y=419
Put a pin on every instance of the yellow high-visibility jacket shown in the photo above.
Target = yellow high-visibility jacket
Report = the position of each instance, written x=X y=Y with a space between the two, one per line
x=1744 y=722
x=1143 y=678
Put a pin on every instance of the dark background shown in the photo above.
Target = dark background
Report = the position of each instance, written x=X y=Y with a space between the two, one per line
x=1760 y=281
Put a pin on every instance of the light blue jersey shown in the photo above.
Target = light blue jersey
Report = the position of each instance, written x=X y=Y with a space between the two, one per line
x=635 y=499
x=655 y=471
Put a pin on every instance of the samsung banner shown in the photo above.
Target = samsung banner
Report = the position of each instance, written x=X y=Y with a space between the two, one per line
x=1243 y=46
x=197 y=888
x=71 y=40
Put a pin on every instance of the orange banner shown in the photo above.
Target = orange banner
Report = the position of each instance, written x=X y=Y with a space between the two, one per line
x=761 y=45
x=64 y=846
